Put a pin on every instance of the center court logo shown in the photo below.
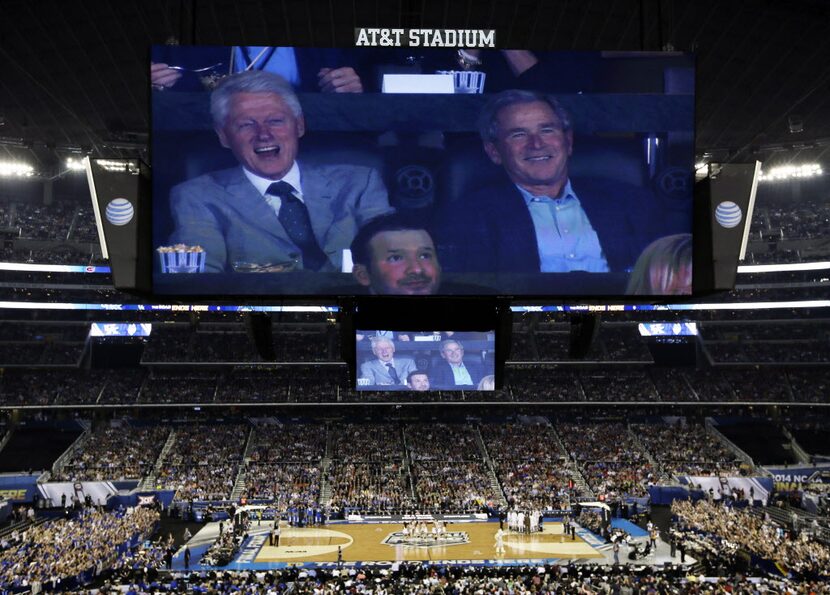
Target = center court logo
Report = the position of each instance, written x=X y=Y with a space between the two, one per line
x=427 y=541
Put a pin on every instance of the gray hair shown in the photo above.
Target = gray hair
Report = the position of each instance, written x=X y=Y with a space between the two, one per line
x=446 y=342
x=250 y=81
x=488 y=119
x=375 y=341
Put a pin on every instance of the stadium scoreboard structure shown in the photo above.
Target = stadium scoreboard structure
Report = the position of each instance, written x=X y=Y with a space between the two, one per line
x=626 y=126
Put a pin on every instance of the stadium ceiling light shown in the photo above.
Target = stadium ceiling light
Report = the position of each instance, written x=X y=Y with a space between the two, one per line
x=783 y=268
x=73 y=164
x=16 y=169
x=701 y=170
x=790 y=172
x=123 y=165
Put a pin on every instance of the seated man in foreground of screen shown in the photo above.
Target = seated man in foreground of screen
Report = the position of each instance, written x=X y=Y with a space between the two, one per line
x=271 y=214
x=386 y=369
x=418 y=381
x=395 y=256
x=454 y=372
x=537 y=219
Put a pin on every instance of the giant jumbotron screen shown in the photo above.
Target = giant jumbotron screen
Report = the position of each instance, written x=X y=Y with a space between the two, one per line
x=323 y=172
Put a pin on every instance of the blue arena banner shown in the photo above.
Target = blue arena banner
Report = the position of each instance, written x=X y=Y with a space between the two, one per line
x=787 y=479
x=18 y=488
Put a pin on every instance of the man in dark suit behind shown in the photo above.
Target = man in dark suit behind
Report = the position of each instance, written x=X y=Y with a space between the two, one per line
x=454 y=372
x=272 y=213
x=536 y=219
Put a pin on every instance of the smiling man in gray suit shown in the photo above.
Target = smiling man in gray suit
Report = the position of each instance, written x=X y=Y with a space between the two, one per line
x=272 y=214
x=386 y=369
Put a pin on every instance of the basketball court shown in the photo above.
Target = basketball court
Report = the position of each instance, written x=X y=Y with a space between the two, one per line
x=387 y=543
x=372 y=542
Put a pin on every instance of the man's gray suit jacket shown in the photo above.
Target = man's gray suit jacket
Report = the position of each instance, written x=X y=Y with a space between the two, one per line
x=377 y=372
x=224 y=213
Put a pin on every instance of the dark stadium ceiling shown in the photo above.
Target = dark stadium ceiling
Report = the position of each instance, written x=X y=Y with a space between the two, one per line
x=74 y=72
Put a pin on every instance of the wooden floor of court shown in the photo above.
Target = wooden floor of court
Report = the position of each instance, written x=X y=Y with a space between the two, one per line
x=365 y=543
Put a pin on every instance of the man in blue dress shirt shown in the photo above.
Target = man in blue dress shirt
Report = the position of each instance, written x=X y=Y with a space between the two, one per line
x=453 y=371
x=537 y=219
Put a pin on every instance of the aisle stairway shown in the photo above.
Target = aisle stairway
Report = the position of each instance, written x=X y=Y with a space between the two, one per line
x=149 y=482
x=239 y=485
x=494 y=480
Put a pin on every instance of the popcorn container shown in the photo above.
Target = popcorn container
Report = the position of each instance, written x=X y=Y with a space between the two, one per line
x=180 y=261
x=466 y=81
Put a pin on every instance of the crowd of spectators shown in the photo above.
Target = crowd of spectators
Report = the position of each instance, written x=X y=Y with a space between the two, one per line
x=288 y=443
x=554 y=384
x=522 y=348
x=671 y=386
x=203 y=461
x=623 y=343
x=65 y=552
x=365 y=442
x=610 y=460
x=170 y=343
x=223 y=549
x=382 y=465
x=286 y=484
x=72 y=254
x=372 y=487
x=47 y=386
x=726 y=530
x=231 y=343
x=315 y=385
x=115 y=452
x=193 y=387
x=254 y=386
x=442 y=442
x=784 y=351
x=452 y=486
x=27 y=331
x=42 y=344
x=762 y=385
x=807 y=218
x=83 y=227
x=16 y=354
x=533 y=471
x=304 y=345
x=123 y=386
x=618 y=387
x=221 y=346
x=367 y=472
x=545 y=384
x=410 y=578
x=710 y=385
x=284 y=464
x=555 y=346
x=688 y=449
x=448 y=469
x=44 y=222
x=614 y=342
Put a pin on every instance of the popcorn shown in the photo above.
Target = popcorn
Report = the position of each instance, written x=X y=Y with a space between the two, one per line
x=179 y=248
x=182 y=258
